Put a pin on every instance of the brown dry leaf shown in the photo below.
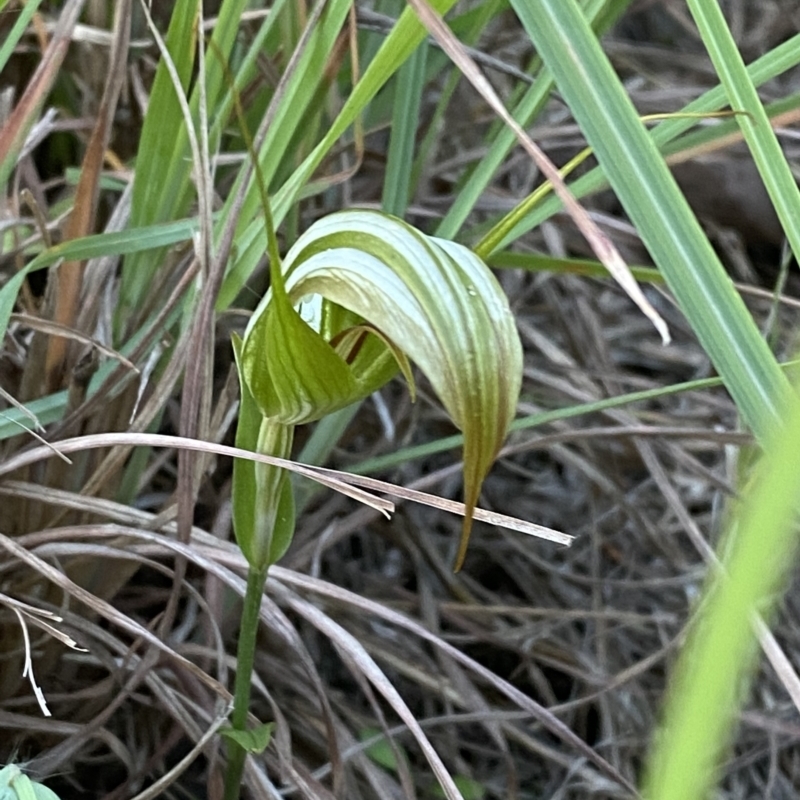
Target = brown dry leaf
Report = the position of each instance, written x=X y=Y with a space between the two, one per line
x=81 y=220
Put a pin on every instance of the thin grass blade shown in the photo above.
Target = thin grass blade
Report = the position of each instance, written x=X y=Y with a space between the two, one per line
x=742 y=96
x=648 y=192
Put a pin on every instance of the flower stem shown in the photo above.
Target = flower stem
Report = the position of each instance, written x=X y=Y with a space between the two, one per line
x=245 y=658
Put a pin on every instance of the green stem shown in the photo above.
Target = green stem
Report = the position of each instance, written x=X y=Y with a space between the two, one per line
x=245 y=657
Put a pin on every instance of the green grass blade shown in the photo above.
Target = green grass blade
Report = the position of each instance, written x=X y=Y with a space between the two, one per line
x=651 y=197
x=775 y=63
x=155 y=194
x=15 y=34
x=526 y=109
x=443 y=444
x=162 y=187
x=246 y=71
x=468 y=28
x=133 y=240
x=46 y=409
x=405 y=122
x=540 y=262
x=297 y=96
x=757 y=131
x=398 y=46
x=722 y=649
x=117 y=243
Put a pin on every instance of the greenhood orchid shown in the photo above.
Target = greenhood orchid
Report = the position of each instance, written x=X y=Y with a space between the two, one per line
x=357 y=296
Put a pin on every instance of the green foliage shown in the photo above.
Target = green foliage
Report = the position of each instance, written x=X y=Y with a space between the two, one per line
x=16 y=785
x=708 y=683
x=754 y=123
x=469 y=788
x=381 y=751
x=654 y=203
x=160 y=188
x=706 y=690
x=254 y=740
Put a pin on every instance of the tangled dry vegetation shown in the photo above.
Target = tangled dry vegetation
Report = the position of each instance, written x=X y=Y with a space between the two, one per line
x=538 y=671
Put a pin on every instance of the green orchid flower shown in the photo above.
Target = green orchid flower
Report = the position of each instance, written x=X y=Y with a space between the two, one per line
x=359 y=295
